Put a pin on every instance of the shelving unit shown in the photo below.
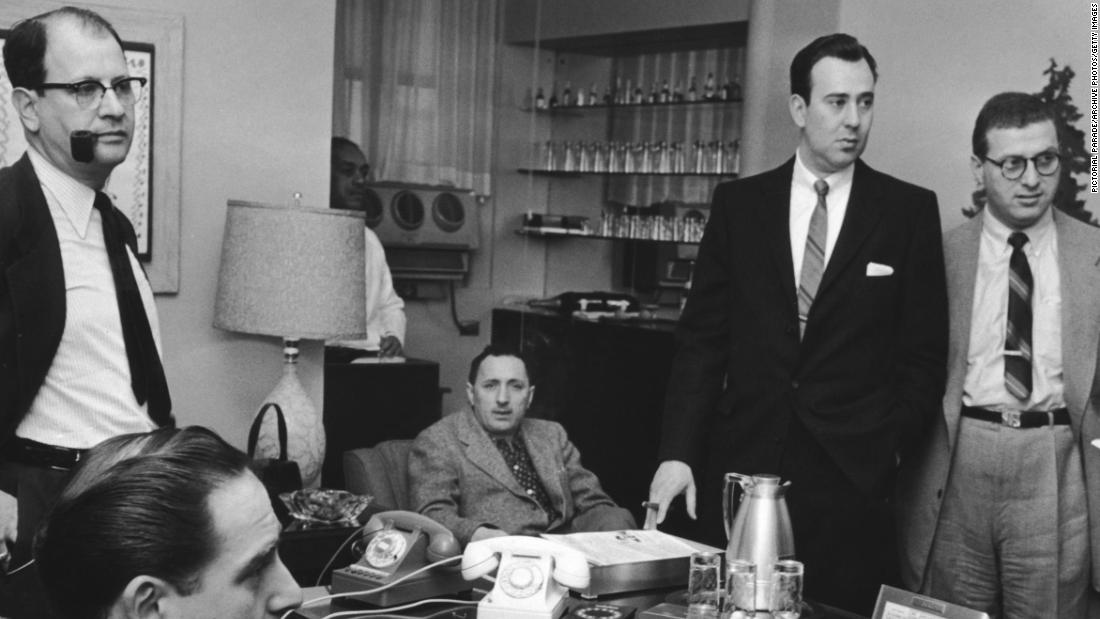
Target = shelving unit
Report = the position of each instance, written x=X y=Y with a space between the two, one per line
x=566 y=234
x=563 y=174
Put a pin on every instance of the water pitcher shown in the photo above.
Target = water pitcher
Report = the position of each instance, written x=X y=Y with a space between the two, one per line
x=758 y=525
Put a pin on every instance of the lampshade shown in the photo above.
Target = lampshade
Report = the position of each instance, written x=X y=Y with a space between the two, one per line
x=292 y=272
x=295 y=273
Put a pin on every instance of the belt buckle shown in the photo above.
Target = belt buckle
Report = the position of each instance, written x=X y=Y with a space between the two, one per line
x=1010 y=419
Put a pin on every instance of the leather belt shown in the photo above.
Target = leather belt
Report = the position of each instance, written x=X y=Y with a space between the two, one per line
x=1019 y=419
x=34 y=453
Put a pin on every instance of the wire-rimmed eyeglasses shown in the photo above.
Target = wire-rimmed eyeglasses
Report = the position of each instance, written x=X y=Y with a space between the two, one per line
x=89 y=93
x=1013 y=167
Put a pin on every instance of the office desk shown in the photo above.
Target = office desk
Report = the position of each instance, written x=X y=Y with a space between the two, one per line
x=640 y=601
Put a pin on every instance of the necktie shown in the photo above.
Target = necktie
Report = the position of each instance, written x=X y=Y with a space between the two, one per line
x=1018 y=328
x=146 y=372
x=813 y=260
x=517 y=458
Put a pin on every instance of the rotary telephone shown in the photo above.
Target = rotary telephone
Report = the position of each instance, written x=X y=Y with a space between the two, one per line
x=533 y=580
x=397 y=543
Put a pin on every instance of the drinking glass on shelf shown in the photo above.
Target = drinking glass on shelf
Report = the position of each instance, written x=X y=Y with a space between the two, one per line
x=703 y=583
x=786 y=593
x=740 y=590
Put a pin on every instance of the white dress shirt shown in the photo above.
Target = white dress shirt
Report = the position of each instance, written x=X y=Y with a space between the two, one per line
x=385 y=310
x=803 y=203
x=985 y=373
x=86 y=396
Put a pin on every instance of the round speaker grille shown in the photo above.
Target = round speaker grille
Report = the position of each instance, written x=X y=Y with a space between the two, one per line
x=407 y=210
x=448 y=212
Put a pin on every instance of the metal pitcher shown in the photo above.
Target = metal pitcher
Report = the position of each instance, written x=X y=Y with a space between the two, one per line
x=758 y=525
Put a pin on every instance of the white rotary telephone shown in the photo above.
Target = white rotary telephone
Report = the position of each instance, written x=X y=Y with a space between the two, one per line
x=533 y=580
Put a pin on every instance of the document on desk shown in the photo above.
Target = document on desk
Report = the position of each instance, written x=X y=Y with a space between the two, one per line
x=619 y=547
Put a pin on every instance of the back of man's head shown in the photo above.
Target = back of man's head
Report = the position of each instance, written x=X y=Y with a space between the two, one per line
x=144 y=514
x=1008 y=110
x=839 y=45
x=26 y=43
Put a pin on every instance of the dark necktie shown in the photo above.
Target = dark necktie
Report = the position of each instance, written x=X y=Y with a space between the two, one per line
x=146 y=372
x=813 y=260
x=1018 y=329
x=517 y=458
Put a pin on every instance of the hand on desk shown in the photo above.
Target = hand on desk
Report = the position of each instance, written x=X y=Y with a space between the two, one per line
x=389 y=346
x=672 y=478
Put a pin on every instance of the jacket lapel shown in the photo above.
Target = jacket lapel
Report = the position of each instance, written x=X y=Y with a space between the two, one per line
x=773 y=221
x=861 y=218
x=542 y=449
x=961 y=257
x=483 y=454
x=1080 y=290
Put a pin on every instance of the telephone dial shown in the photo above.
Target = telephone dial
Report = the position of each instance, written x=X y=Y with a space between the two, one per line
x=397 y=543
x=533 y=578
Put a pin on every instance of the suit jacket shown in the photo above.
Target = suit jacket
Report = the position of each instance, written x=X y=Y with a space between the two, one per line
x=922 y=484
x=866 y=378
x=458 y=477
x=32 y=292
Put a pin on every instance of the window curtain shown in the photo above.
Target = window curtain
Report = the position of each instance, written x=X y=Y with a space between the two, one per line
x=414 y=87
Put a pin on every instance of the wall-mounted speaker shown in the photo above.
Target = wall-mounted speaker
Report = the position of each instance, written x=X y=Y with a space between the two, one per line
x=404 y=215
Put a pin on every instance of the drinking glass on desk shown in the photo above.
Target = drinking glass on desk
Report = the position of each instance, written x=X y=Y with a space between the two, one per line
x=740 y=590
x=786 y=593
x=703 y=583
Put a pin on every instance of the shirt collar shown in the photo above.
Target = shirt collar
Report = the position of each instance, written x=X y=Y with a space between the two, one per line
x=804 y=178
x=73 y=197
x=1037 y=233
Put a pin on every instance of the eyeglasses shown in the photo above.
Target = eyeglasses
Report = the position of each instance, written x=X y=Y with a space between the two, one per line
x=89 y=93
x=1013 y=167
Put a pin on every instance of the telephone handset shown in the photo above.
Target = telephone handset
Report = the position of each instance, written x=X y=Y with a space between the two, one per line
x=534 y=576
x=397 y=543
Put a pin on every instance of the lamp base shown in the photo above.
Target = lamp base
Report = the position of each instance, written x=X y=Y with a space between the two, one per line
x=305 y=430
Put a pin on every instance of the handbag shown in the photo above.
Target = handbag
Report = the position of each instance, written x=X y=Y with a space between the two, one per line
x=280 y=474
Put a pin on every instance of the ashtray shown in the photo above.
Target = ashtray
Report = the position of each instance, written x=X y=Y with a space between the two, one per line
x=325 y=506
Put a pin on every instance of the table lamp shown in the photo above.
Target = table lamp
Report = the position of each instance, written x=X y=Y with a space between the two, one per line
x=296 y=273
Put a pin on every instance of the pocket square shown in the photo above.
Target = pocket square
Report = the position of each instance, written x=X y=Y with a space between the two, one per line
x=875 y=269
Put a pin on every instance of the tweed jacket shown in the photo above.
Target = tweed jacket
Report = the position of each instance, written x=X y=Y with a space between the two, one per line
x=458 y=477
x=921 y=485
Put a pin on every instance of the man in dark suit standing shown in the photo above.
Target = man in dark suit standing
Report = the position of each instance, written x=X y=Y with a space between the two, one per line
x=813 y=341
x=79 y=350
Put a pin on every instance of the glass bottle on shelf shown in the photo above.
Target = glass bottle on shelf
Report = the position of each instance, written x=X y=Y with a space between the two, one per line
x=567 y=95
x=540 y=100
x=593 y=96
x=709 y=88
x=693 y=93
x=666 y=93
x=554 y=95
x=569 y=158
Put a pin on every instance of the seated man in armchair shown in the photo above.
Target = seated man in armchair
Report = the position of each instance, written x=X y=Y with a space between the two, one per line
x=489 y=470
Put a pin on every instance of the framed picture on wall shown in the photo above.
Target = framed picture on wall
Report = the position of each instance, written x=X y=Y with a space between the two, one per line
x=145 y=187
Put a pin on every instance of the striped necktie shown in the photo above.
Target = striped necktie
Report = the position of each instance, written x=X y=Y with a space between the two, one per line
x=1018 y=328
x=813 y=260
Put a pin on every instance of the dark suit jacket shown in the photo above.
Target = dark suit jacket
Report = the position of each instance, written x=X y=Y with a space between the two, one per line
x=32 y=291
x=922 y=483
x=868 y=376
x=458 y=477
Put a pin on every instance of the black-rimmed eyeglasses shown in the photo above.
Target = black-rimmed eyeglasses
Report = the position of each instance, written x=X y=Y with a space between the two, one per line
x=89 y=93
x=1013 y=167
